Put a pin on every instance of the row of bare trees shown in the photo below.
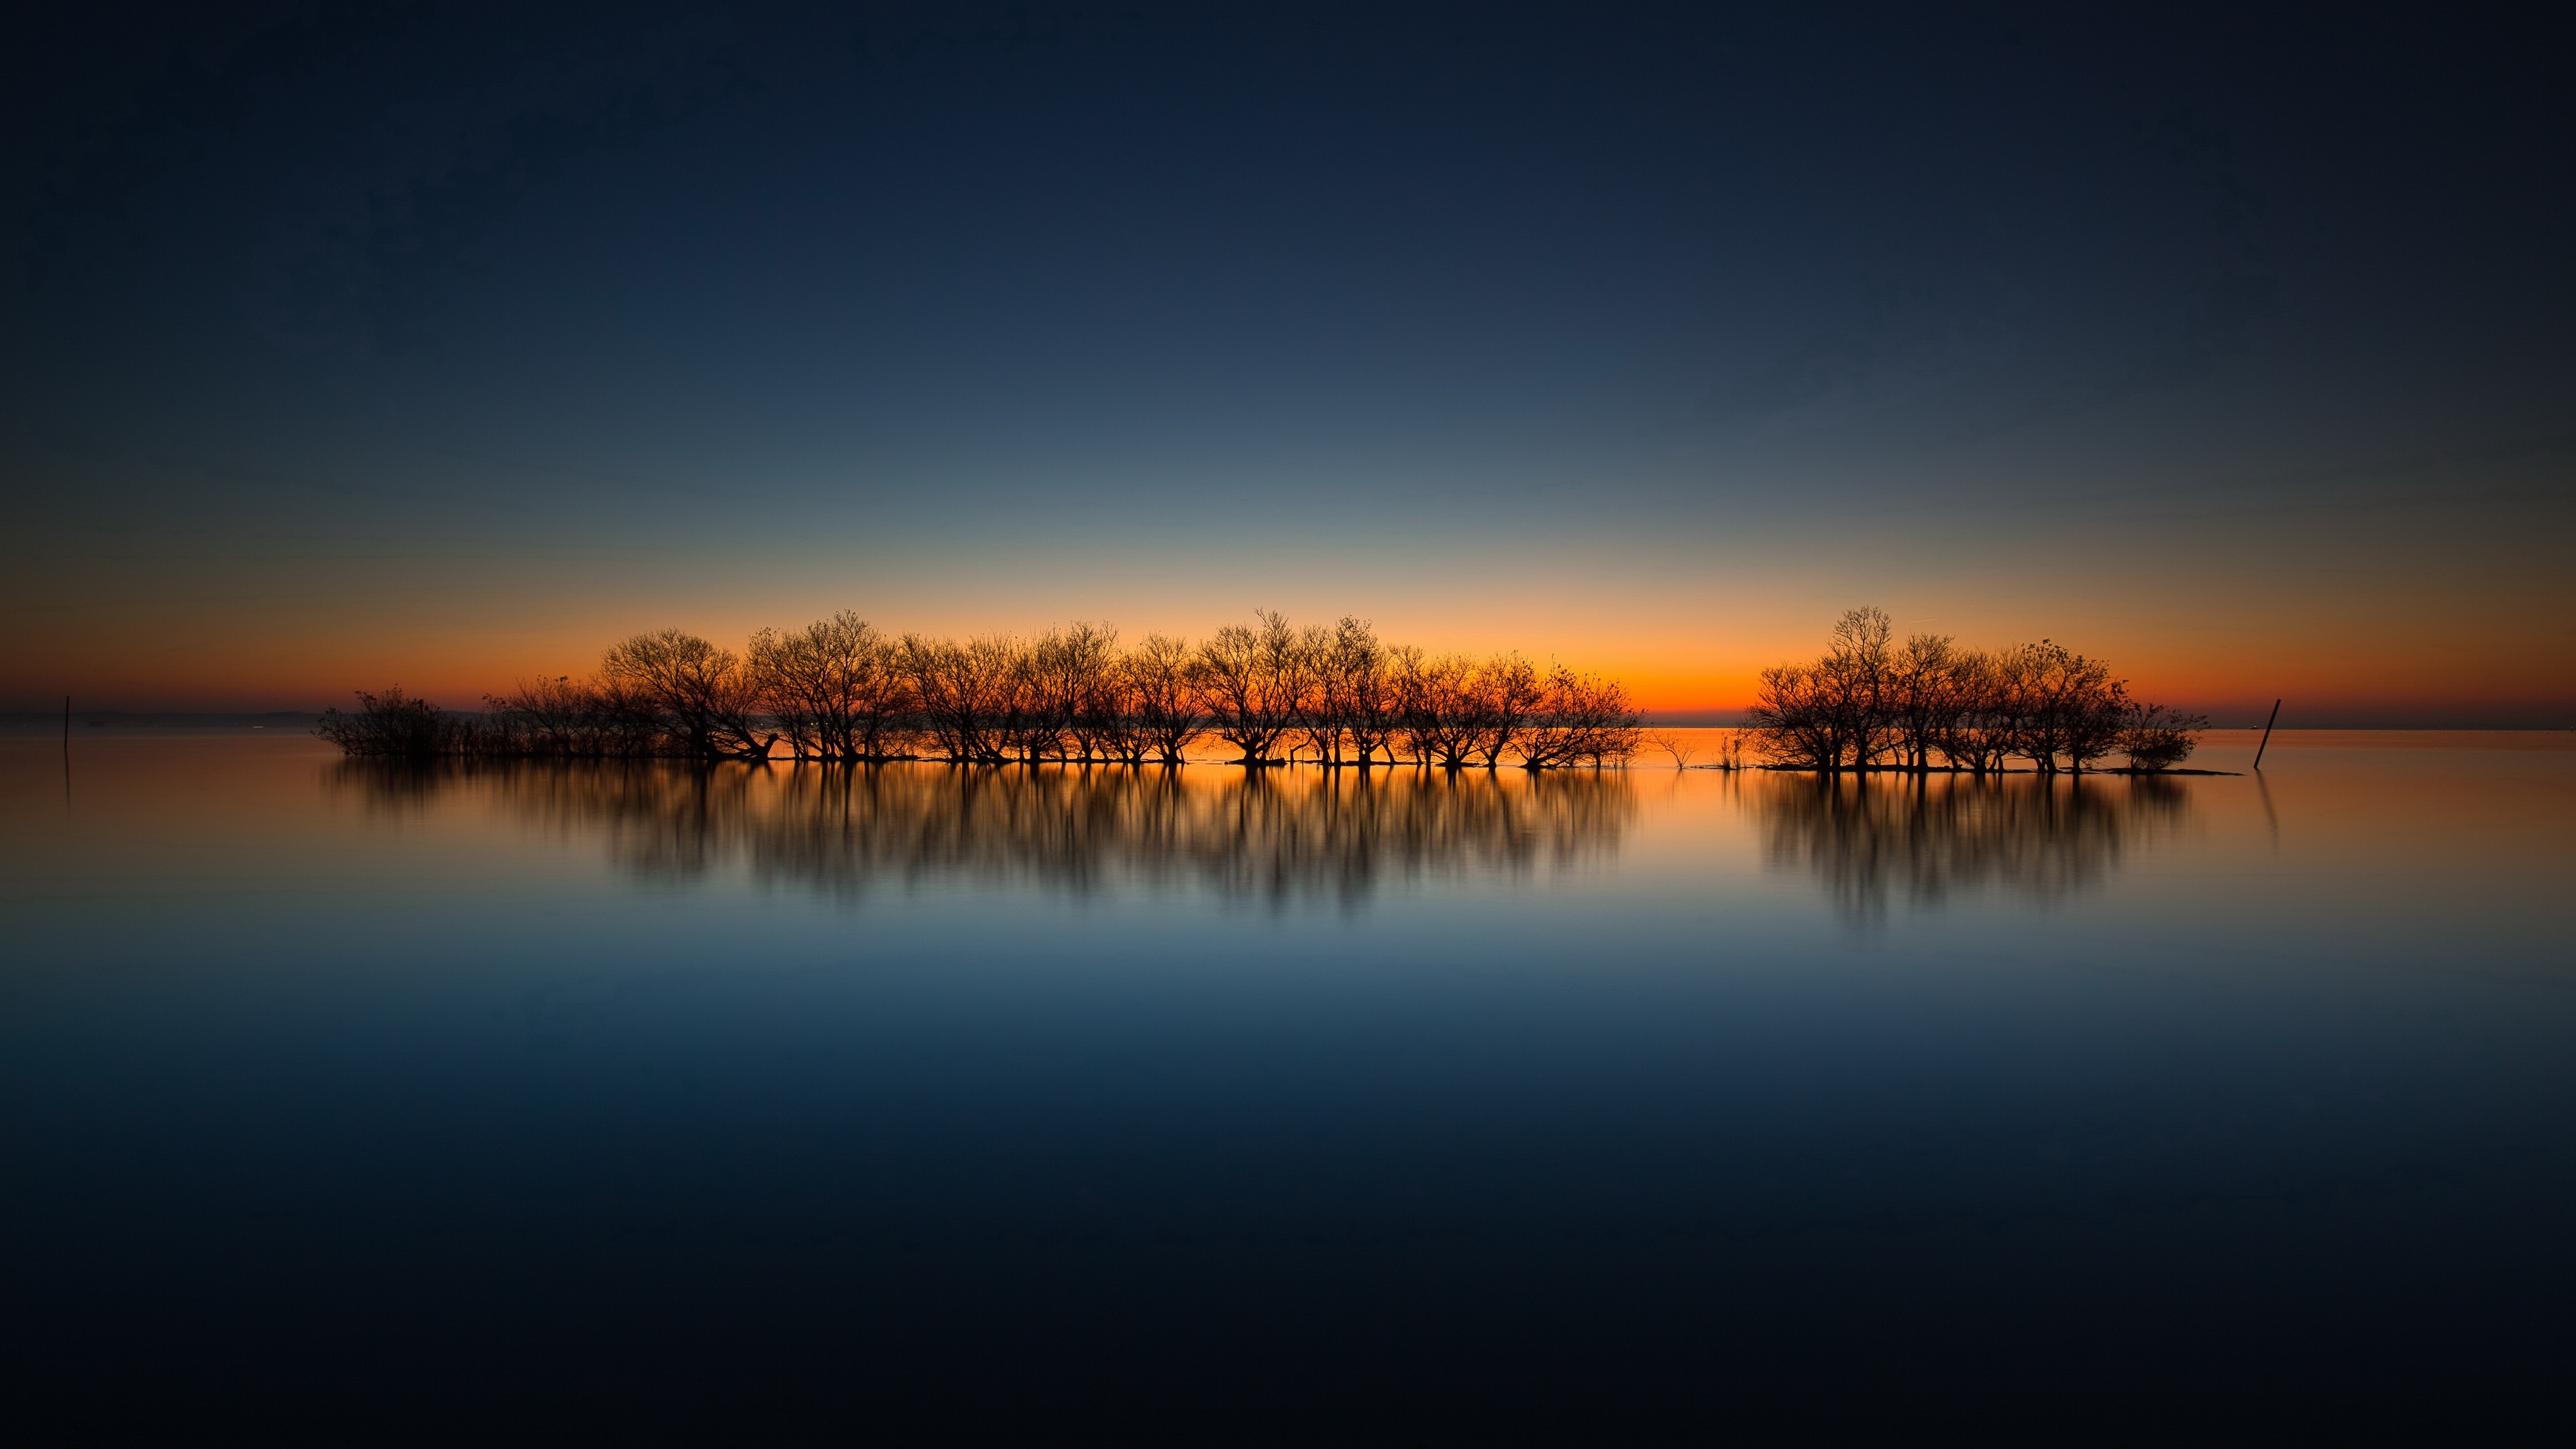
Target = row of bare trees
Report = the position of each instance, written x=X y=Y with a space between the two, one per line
x=842 y=689
x=1871 y=703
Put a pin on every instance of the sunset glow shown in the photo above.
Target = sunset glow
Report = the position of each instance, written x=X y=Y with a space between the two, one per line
x=1036 y=721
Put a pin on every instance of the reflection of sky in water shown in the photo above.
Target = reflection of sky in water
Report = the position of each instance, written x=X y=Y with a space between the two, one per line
x=313 y=1069
x=1924 y=841
x=1282 y=836
x=1275 y=835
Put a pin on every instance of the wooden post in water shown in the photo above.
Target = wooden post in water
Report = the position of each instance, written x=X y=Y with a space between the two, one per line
x=67 y=721
x=2267 y=735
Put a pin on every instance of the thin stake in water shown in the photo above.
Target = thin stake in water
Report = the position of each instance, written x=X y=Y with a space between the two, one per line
x=2267 y=735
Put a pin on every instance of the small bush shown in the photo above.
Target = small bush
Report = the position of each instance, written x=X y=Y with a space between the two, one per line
x=394 y=725
x=2157 y=738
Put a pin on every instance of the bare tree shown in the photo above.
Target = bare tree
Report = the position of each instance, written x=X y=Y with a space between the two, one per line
x=1368 y=673
x=834 y=687
x=1856 y=672
x=2096 y=719
x=1321 y=702
x=558 y=717
x=1581 y=720
x=1919 y=701
x=789 y=682
x=1507 y=693
x=962 y=691
x=1674 y=745
x=1114 y=720
x=1974 y=731
x=2053 y=700
x=1052 y=708
x=1251 y=684
x=1443 y=717
x=1162 y=688
x=1794 y=721
x=1834 y=713
x=700 y=693
x=1099 y=713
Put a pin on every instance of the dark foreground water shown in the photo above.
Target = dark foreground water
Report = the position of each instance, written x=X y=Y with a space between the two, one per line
x=915 y=1096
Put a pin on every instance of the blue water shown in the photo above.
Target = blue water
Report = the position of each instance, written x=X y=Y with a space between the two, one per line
x=1677 y=1089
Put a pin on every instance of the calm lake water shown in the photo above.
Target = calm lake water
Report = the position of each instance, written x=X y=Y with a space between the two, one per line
x=330 y=1081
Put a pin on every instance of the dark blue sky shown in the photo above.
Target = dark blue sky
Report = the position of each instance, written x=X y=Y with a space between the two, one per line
x=345 y=337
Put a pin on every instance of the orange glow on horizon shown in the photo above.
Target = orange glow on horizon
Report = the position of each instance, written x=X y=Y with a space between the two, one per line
x=1666 y=669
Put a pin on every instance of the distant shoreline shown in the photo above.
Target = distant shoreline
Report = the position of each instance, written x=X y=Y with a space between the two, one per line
x=52 y=720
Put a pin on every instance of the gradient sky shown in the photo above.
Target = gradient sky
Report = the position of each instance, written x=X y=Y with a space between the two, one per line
x=444 y=344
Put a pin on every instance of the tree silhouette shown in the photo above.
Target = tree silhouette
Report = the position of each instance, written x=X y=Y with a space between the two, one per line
x=1867 y=701
x=841 y=691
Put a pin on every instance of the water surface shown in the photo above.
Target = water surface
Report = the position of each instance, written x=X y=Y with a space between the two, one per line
x=331 y=1079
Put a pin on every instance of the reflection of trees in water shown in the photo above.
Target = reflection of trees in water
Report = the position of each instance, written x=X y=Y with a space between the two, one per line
x=1272 y=835
x=1870 y=842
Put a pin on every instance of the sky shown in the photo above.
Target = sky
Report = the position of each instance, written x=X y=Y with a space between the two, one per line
x=443 y=345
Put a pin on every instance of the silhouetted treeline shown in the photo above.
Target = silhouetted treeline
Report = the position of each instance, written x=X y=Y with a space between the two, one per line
x=842 y=690
x=1873 y=704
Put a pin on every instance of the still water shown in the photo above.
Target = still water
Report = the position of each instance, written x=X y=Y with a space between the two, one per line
x=325 y=1079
